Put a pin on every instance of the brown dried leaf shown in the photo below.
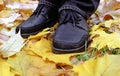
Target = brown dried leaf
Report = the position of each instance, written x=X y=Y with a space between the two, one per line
x=110 y=5
x=1 y=5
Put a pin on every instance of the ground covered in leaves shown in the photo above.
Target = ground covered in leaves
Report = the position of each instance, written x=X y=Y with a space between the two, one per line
x=34 y=56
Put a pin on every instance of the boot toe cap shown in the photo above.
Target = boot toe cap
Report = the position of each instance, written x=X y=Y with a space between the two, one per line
x=70 y=40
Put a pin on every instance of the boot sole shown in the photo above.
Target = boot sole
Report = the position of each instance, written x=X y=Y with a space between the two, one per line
x=33 y=33
x=27 y=35
x=65 y=51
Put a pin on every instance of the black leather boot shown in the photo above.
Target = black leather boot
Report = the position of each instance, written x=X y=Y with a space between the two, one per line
x=45 y=15
x=73 y=32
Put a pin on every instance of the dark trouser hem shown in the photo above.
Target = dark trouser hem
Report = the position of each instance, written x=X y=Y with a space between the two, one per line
x=74 y=8
x=85 y=7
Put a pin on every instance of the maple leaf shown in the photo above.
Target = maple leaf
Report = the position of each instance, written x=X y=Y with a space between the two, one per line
x=12 y=46
x=30 y=64
x=106 y=35
x=5 y=68
x=100 y=66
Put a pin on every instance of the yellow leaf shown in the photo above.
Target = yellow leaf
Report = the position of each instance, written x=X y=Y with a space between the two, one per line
x=107 y=65
x=43 y=48
x=6 y=13
x=19 y=63
x=5 y=68
x=30 y=64
x=112 y=40
x=104 y=39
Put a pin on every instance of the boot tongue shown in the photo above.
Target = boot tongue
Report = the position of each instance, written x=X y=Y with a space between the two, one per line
x=68 y=16
x=73 y=17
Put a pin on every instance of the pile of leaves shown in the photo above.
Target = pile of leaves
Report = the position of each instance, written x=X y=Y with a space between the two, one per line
x=34 y=56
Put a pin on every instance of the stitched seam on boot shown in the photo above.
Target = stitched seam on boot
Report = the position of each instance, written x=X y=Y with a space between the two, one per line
x=47 y=3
